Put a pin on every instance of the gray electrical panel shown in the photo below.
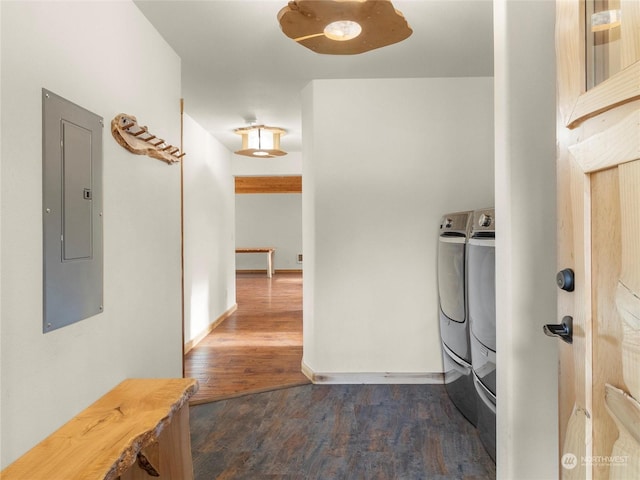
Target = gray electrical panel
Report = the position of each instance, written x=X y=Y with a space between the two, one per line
x=72 y=212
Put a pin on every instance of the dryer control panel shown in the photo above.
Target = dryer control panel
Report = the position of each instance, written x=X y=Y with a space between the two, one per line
x=455 y=224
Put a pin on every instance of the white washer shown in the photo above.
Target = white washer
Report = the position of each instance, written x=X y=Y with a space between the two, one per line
x=481 y=296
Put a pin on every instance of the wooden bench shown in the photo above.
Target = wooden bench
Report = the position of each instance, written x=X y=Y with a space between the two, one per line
x=139 y=430
x=268 y=250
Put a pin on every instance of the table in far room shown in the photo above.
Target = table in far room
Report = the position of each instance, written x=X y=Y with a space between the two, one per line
x=268 y=250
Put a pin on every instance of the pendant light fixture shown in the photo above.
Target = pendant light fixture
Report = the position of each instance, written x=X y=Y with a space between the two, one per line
x=343 y=27
x=260 y=141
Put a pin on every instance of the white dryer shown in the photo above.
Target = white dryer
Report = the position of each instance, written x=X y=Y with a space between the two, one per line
x=452 y=302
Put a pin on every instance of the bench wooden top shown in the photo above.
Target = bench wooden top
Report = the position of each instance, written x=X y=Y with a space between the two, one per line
x=102 y=442
x=256 y=250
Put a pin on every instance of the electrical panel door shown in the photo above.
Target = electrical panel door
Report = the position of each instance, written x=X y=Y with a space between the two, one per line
x=72 y=212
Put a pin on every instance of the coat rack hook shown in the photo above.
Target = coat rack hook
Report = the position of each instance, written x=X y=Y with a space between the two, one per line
x=122 y=128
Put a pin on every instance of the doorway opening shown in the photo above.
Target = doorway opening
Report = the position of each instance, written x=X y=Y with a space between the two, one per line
x=258 y=347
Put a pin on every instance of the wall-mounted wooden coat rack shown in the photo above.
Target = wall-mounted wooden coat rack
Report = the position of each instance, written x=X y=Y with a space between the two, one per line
x=137 y=139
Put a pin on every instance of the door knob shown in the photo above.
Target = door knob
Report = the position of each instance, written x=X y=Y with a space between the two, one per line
x=563 y=330
x=564 y=279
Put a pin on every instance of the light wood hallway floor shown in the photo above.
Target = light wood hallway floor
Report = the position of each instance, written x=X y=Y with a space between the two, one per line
x=256 y=349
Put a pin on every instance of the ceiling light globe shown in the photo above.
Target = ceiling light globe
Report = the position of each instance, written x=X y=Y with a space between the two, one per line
x=342 y=30
x=260 y=153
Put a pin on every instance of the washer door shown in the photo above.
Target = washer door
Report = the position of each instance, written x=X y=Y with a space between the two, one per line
x=481 y=271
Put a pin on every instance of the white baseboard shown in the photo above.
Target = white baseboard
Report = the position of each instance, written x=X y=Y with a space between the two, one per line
x=198 y=338
x=279 y=270
x=354 y=378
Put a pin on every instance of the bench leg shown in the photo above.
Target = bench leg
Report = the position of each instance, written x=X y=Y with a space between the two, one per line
x=270 y=264
x=171 y=456
x=175 y=447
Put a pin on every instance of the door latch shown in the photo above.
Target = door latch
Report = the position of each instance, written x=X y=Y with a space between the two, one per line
x=563 y=330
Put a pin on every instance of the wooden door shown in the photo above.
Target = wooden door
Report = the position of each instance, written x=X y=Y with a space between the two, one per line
x=598 y=174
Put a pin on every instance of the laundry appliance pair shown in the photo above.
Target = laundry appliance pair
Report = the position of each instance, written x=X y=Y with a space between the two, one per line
x=467 y=312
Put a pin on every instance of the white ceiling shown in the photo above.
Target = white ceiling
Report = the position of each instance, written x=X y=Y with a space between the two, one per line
x=237 y=64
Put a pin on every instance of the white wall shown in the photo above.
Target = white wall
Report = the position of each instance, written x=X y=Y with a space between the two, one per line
x=210 y=288
x=526 y=240
x=289 y=164
x=106 y=57
x=375 y=185
x=269 y=220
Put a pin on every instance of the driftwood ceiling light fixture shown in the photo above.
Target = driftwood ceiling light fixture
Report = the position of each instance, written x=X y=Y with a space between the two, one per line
x=260 y=141
x=343 y=27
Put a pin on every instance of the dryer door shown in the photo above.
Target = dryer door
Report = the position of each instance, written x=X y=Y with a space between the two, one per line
x=451 y=277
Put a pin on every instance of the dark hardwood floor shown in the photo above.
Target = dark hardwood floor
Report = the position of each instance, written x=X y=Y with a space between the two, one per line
x=256 y=349
x=337 y=432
